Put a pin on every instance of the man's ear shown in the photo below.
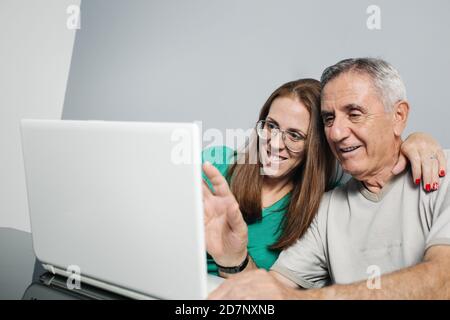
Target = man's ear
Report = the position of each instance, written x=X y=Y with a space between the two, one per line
x=400 y=114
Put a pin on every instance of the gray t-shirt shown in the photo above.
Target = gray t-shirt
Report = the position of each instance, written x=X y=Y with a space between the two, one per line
x=356 y=231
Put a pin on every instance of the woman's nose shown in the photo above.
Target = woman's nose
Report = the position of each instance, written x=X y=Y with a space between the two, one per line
x=276 y=141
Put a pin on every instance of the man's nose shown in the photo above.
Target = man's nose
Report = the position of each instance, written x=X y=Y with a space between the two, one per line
x=339 y=130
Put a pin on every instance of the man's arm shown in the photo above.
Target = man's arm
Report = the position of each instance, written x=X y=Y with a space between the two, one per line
x=429 y=279
x=285 y=281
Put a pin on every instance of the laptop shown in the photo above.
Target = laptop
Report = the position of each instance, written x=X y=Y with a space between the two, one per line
x=119 y=205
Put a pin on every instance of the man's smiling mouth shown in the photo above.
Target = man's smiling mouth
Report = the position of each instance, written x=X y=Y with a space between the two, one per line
x=348 y=149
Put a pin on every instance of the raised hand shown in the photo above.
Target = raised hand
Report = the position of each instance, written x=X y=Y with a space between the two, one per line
x=225 y=229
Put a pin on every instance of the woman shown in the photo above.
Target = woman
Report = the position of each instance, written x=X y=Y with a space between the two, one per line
x=277 y=181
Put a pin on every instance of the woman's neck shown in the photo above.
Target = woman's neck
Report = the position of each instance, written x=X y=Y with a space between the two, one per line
x=274 y=189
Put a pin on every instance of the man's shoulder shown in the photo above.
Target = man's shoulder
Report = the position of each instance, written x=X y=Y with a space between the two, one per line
x=336 y=196
x=340 y=191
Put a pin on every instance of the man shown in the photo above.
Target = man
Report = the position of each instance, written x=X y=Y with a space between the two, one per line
x=377 y=237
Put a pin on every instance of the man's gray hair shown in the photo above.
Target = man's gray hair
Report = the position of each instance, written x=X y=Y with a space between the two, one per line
x=385 y=77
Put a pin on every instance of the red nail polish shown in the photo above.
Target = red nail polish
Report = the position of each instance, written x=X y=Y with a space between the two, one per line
x=427 y=187
x=417 y=181
x=441 y=173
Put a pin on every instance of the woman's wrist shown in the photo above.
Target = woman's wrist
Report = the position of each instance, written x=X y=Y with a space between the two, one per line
x=235 y=268
x=232 y=261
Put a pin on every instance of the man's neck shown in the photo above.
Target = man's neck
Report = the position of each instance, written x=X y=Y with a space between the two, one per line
x=377 y=180
x=376 y=183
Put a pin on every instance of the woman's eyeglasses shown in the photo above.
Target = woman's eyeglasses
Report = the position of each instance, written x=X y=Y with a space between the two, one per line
x=293 y=140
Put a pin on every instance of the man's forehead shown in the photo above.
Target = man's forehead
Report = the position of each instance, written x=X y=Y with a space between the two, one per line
x=348 y=88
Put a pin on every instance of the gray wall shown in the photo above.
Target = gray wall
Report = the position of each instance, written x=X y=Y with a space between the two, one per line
x=35 y=51
x=210 y=60
x=217 y=61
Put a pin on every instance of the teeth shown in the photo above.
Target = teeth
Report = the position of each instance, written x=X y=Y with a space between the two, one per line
x=349 y=149
x=276 y=158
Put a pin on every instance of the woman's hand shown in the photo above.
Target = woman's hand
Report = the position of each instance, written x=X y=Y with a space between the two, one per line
x=427 y=159
x=225 y=229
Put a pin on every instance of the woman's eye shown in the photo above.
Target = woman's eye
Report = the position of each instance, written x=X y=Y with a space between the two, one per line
x=271 y=125
x=294 y=136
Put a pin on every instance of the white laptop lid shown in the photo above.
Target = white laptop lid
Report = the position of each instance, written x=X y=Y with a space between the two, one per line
x=111 y=198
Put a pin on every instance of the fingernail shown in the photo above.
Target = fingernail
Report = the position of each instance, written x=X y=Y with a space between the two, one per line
x=427 y=187
x=435 y=186
x=417 y=181
x=441 y=173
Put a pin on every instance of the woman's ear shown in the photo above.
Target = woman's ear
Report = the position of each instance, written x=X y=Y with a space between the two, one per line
x=400 y=113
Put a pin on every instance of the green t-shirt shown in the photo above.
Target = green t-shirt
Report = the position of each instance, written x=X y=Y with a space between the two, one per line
x=261 y=234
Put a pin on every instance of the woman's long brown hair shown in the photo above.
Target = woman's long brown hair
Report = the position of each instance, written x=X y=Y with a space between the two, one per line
x=311 y=178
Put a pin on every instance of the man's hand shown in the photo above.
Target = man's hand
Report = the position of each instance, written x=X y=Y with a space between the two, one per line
x=255 y=284
x=427 y=159
x=225 y=229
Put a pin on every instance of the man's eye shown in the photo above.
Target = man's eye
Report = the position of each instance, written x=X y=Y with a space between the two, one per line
x=272 y=125
x=355 y=116
x=328 y=121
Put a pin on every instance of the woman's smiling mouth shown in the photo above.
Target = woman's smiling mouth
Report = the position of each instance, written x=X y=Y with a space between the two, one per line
x=275 y=158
